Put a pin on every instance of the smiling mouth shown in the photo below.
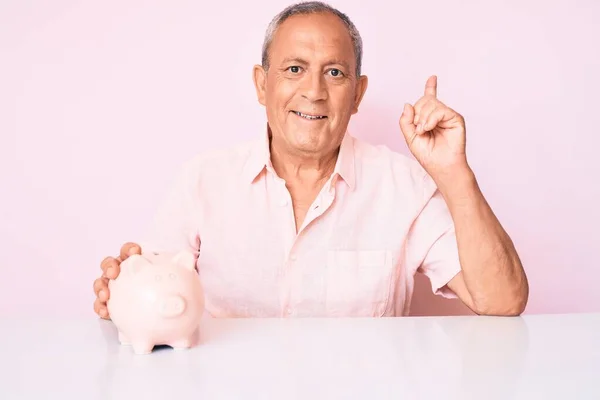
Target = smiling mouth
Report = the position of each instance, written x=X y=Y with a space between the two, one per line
x=309 y=117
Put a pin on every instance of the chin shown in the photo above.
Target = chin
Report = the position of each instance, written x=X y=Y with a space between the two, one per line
x=308 y=140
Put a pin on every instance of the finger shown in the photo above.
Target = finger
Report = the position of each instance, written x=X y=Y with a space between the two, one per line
x=97 y=306
x=423 y=115
x=106 y=263
x=129 y=249
x=101 y=309
x=423 y=109
x=418 y=107
x=431 y=86
x=437 y=117
x=101 y=284
x=406 y=123
x=110 y=267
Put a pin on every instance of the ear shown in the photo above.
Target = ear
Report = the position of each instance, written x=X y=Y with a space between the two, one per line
x=361 y=88
x=259 y=76
x=133 y=264
x=185 y=259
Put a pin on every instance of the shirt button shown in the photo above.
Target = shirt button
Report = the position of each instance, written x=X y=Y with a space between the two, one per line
x=284 y=203
x=293 y=257
x=288 y=311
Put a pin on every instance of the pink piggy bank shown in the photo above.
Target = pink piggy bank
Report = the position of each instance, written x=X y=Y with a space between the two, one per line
x=157 y=299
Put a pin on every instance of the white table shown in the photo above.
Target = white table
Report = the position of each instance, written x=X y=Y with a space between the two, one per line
x=531 y=357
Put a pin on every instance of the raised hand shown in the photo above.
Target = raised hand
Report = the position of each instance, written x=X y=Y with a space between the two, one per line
x=435 y=133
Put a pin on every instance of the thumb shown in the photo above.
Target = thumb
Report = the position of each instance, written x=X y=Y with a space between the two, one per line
x=406 y=123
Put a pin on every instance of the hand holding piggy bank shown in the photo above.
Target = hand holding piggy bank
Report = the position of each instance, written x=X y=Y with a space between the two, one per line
x=157 y=299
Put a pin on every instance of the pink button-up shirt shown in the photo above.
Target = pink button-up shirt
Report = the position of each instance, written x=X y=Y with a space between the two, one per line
x=377 y=221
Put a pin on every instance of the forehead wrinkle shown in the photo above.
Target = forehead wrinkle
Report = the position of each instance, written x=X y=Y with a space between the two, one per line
x=307 y=54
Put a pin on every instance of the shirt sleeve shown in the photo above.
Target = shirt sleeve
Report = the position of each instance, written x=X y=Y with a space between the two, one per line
x=433 y=243
x=175 y=224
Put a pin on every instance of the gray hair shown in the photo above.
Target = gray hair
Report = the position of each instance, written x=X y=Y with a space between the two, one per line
x=312 y=7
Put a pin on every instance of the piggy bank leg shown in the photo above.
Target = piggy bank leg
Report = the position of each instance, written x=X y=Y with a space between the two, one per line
x=182 y=344
x=142 y=347
x=123 y=339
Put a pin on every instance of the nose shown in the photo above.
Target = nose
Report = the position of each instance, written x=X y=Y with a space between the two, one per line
x=314 y=87
x=171 y=306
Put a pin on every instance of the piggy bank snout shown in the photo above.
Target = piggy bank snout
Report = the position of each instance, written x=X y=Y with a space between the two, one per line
x=171 y=306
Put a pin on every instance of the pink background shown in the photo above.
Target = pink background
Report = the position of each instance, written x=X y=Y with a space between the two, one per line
x=100 y=102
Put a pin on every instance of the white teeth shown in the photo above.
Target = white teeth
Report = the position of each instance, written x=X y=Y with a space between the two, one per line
x=309 y=116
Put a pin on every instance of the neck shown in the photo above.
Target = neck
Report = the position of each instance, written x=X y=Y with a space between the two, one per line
x=300 y=168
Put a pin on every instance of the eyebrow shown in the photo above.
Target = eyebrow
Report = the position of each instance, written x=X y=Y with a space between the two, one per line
x=304 y=62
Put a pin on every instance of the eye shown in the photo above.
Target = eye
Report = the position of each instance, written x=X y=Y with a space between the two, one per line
x=294 y=69
x=335 y=72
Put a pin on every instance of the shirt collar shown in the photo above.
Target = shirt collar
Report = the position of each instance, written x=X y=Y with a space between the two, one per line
x=259 y=159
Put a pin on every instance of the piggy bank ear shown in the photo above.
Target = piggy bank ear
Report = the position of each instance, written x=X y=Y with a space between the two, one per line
x=133 y=264
x=185 y=259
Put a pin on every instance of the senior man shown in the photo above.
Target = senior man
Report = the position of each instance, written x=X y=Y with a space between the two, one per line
x=308 y=221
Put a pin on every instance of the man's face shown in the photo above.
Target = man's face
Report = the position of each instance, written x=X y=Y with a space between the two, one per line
x=311 y=88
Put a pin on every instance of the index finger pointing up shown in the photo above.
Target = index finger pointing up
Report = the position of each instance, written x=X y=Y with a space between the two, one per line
x=431 y=86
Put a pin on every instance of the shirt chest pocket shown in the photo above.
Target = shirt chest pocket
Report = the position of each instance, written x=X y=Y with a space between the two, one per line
x=358 y=282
